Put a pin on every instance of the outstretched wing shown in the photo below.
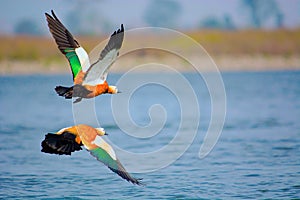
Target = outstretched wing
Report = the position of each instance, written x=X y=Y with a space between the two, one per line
x=76 y=55
x=97 y=73
x=105 y=154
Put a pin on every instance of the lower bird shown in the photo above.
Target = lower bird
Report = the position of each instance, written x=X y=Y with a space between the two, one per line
x=70 y=139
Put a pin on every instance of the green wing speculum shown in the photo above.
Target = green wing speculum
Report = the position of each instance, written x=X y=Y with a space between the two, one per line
x=105 y=154
x=66 y=43
x=73 y=60
x=104 y=157
x=113 y=165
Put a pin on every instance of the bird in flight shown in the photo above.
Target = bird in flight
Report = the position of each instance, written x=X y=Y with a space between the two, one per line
x=71 y=139
x=89 y=79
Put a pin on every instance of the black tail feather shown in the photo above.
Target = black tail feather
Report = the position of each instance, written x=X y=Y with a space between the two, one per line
x=66 y=92
x=78 y=100
x=63 y=144
x=74 y=91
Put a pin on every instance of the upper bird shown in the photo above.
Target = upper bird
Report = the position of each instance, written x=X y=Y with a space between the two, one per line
x=89 y=79
x=70 y=139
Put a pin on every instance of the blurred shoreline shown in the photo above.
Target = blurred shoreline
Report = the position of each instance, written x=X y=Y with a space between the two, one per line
x=224 y=64
x=242 y=50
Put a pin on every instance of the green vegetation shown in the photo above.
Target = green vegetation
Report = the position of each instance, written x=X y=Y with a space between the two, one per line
x=250 y=42
x=246 y=42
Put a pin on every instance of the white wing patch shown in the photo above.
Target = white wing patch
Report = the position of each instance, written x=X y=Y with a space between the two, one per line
x=101 y=143
x=83 y=58
x=98 y=72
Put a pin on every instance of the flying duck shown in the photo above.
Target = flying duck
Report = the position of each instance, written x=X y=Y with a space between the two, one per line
x=70 y=139
x=89 y=79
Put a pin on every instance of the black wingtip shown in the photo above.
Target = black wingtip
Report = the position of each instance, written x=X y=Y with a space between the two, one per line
x=48 y=15
x=52 y=12
x=52 y=17
x=138 y=181
x=121 y=30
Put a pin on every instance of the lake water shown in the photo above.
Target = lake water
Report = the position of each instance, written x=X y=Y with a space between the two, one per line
x=257 y=155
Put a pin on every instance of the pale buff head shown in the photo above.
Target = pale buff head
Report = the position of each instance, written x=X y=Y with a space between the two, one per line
x=113 y=89
x=101 y=131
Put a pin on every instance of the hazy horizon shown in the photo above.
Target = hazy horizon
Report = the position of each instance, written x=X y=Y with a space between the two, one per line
x=110 y=13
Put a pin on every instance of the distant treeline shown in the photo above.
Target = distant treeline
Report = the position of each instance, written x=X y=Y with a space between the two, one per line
x=162 y=13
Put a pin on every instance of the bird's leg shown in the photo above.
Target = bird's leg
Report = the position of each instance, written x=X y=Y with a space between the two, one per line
x=78 y=100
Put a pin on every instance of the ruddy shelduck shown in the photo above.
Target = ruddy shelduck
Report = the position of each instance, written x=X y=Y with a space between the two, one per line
x=89 y=79
x=71 y=139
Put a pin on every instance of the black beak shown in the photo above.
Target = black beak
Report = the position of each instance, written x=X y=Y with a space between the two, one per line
x=105 y=133
x=119 y=91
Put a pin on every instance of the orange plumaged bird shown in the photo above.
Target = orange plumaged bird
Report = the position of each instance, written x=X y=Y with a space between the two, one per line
x=71 y=139
x=89 y=79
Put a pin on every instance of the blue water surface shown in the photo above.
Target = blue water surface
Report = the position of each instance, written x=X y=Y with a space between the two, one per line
x=256 y=157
